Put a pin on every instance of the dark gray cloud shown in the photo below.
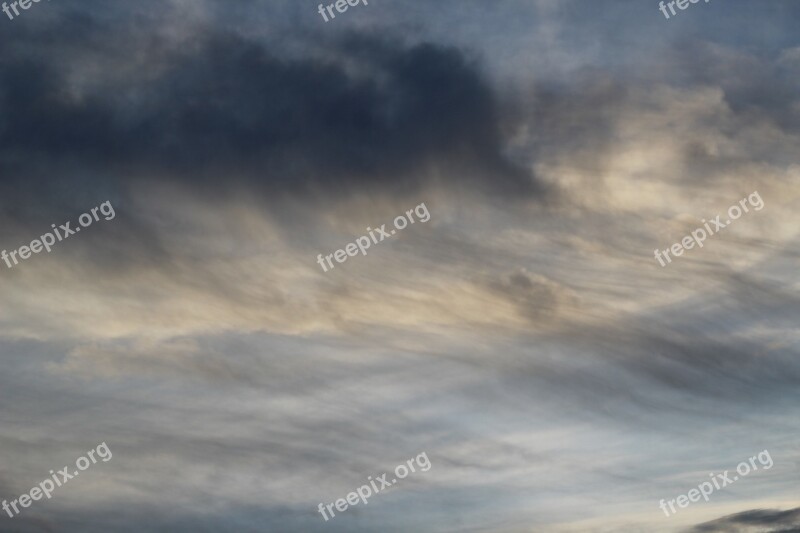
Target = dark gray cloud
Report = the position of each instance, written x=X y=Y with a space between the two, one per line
x=92 y=105
x=756 y=520
x=223 y=109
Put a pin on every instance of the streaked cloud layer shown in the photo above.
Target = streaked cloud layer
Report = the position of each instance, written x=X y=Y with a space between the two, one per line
x=524 y=337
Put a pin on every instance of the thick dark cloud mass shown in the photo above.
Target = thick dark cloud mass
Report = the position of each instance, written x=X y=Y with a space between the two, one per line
x=225 y=105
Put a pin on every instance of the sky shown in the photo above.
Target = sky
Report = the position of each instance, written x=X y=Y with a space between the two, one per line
x=524 y=338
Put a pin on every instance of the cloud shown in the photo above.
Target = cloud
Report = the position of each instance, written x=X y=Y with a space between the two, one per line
x=754 y=521
x=524 y=337
x=219 y=110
